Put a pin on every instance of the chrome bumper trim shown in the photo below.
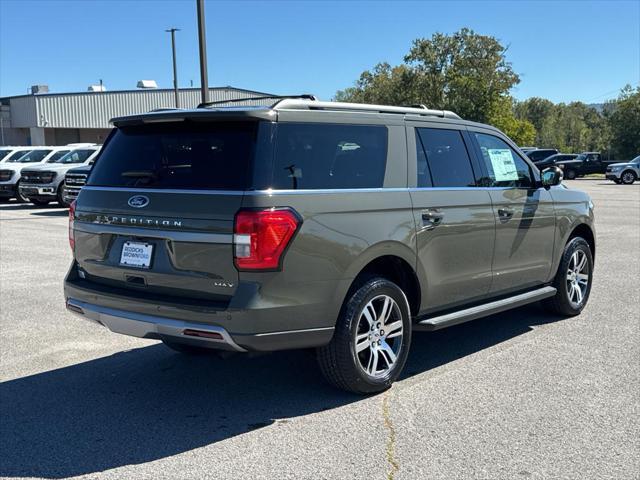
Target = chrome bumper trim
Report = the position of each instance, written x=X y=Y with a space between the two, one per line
x=148 y=326
x=48 y=189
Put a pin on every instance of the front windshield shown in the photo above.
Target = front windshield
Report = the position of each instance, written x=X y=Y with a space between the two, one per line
x=76 y=156
x=636 y=160
x=57 y=155
x=15 y=156
x=32 y=157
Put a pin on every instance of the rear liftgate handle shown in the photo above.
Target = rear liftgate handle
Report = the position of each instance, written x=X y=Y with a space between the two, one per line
x=431 y=219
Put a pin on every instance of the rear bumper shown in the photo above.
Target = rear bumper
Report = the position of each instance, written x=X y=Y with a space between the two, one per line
x=149 y=326
x=250 y=328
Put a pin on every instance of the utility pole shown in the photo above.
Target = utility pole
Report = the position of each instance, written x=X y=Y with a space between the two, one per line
x=204 y=79
x=175 y=69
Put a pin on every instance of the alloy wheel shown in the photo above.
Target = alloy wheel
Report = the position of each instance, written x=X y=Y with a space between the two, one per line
x=577 y=278
x=378 y=339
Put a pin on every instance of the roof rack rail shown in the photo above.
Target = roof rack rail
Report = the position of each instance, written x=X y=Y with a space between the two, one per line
x=164 y=109
x=301 y=104
x=304 y=96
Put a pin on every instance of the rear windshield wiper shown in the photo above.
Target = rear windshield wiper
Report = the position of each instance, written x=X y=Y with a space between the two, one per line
x=139 y=174
x=143 y=176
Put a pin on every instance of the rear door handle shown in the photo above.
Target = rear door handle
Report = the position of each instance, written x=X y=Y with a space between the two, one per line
x=505 y=213
x=431 y=219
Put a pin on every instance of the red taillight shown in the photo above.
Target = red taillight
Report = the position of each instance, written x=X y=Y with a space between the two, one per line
x=262 y=236
x=72 y=216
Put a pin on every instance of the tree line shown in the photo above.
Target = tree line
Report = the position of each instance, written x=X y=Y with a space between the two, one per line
x=469 y=74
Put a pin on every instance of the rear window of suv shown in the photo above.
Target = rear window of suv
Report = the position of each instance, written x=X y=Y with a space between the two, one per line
x=178 y=155
x=243 y=156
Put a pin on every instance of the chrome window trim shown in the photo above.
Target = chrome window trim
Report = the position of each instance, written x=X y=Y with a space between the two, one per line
x=246 y=192
x=326 y=191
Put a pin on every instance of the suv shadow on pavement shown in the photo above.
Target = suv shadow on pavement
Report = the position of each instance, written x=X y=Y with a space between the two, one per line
x=146 y=404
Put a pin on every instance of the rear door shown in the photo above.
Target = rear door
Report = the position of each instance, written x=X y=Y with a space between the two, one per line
x=524 y=215
x=158 y=210
x=455 y=226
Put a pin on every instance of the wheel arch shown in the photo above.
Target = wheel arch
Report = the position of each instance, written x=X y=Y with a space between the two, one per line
x=390 y=260
x=583 y=230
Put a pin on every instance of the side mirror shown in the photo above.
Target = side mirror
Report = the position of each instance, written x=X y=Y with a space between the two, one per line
x=551 y=176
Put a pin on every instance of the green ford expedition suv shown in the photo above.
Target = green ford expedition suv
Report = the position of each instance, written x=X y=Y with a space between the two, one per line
x=310 y=224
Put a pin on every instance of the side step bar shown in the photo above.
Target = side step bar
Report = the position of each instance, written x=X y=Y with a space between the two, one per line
x=466 y=315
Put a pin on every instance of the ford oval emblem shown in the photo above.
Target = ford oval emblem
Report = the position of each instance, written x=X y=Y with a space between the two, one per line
x=138 y=201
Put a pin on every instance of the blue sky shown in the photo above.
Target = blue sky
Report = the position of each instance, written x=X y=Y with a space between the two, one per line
x=563 y=51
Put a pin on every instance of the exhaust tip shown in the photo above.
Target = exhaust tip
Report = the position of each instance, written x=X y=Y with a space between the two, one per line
x=74 y=308
x=202 y=334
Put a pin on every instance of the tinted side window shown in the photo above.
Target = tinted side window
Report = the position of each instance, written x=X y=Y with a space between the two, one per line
x=447 y=158
x=504 y=167
x=57 y=155
x=424 y=175
x=329 y=156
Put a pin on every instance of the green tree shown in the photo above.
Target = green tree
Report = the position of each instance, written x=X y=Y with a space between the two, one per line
x=623 y=117
x=464 y=72
x=536 y=110
x=573 y=127
x=502 y=117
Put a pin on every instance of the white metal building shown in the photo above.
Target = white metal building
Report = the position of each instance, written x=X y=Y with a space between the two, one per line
x=62 y=118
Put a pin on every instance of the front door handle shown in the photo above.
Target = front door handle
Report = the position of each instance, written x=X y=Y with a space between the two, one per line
x=505 y=213
x=431 y=219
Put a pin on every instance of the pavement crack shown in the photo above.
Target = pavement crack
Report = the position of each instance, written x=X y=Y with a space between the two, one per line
x=391 y=437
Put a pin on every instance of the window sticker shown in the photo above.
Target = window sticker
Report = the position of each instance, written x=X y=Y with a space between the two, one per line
x=504 y=168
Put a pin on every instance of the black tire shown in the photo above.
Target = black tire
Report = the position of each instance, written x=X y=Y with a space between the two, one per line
x=628 y=177
x=570 y=174
x=561 y=303
x=187 y=349
x=339 y=362
x=39 y=203
x=19 y=196
x=60 y=199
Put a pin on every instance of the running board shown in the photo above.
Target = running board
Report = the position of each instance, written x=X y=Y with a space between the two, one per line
x=466 y=315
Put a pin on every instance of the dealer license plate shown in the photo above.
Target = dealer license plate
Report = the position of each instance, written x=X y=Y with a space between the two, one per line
x=136 y=254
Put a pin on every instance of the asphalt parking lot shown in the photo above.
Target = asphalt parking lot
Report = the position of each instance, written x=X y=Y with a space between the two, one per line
x=517 y=395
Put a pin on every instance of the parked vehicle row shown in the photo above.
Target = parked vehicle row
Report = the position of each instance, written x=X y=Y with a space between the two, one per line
x=36 y=174
x=584 y=164
x=575 y=166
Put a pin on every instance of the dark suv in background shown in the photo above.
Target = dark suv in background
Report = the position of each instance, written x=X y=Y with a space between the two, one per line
x=540 y=154
x=336 y=226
